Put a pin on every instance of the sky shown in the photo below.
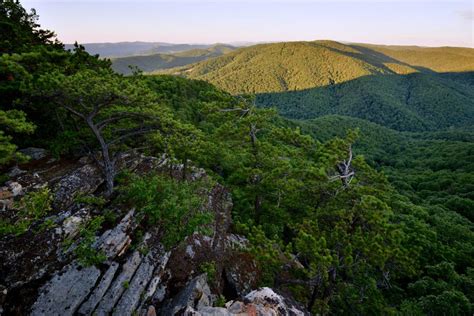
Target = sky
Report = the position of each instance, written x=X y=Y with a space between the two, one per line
x=395 y=22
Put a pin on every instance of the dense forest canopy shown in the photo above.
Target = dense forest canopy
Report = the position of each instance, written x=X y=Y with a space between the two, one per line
x=346 y=215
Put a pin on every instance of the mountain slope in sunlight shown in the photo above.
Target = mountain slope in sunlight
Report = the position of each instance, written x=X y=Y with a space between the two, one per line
x=404 y=88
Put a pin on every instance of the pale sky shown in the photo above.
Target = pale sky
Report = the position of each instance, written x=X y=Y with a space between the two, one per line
x=397 y=22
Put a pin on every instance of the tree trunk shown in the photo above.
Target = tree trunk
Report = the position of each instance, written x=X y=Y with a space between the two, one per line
x=108 y=166
x=185 y=167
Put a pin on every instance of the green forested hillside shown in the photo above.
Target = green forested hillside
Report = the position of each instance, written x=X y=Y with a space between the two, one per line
x=405 y=88
x=156 y=62
x=282 y=67
x=438 y=59
x=413 y=102
x=293 y=66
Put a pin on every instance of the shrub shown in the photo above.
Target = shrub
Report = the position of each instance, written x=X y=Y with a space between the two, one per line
x=86 y=254
x=175 y=206
x=32 y=207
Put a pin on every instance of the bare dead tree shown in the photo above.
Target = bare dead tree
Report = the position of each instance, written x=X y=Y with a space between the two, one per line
x=243 y=112
x=345 y=170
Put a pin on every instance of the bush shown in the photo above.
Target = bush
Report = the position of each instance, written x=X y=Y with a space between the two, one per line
x=175 y=206
x=86 y=254
x=32 y=207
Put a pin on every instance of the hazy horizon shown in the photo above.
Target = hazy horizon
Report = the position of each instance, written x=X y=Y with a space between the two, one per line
x=244 y=43
x=386 y=22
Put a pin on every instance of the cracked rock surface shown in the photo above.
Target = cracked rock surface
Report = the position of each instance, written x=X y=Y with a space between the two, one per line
x=41 y=275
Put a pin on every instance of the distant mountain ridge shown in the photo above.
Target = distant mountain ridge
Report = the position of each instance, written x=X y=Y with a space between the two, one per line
x=123 y=49
x=157 y=62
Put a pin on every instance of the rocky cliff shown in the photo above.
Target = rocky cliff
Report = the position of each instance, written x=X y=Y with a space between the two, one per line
x=205 y=274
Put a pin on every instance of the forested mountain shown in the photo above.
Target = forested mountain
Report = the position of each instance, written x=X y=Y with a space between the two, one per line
x=156 y=62
x=405 y=88
x=291 y=66
x=165 y=195
x=413 y=102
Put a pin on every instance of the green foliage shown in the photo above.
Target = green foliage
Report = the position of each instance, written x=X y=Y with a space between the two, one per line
x=19 y=30
x=174 y=206
x=413 y=102
x=49 y=223
x=26 y=52
x=12 y=121
x=86 y=254
x=32 y=207
x=90 y=200
x=442 y=291
x=434 y=171
x=265 y=251
x=220 y=301
x=209 y=268
x=279 y=67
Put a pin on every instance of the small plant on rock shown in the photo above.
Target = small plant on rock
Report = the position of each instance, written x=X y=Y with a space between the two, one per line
x=86 y=254
x=32 y=207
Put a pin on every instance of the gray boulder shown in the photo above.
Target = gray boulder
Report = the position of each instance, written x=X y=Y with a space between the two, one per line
x=88 y=306
x=114 y=242
x=194 y=296
x=83 y=180
x=34 y=153
x=131 y=298
x=63 y=294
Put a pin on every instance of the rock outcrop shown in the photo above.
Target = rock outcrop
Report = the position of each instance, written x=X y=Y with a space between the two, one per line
x=196 y=300
x=41 y=276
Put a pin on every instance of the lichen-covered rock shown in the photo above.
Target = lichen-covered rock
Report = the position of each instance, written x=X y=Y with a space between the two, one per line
x=211 y=311
x=88 y=306
x=196 y=300
x=267 y=302
x=6 y=199
x=157 y=288
x=114 y=242
x=116 y=289
x=64 y=293
x=151 y=311
x=15 y=172
x=15 y=188
x=72 y=224
x=129 y=282
x=130 y=299
x=34 y=153
x=28 y=257
x=83 y=180
x=195 y=295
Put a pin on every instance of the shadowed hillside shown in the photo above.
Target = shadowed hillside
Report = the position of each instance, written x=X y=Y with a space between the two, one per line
x=413 y=102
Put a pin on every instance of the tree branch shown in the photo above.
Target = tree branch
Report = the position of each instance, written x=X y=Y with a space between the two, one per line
x=132 y=132
x=120 y=116
x=73 y=111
